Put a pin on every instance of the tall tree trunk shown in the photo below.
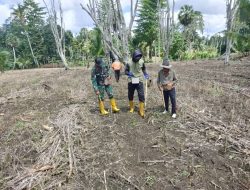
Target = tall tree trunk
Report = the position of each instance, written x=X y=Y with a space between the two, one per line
x=150 y=51
x=166 y=26
x=59 y=38
x=229 y=28
x=31 y=49
x=159 y=33
x=168 y=37
x=228 y=50
x=231 y=10
x=14 y=54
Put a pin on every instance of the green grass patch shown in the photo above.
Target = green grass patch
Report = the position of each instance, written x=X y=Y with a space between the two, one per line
x=20 y=124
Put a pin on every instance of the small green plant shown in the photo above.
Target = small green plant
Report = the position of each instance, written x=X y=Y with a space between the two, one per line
x=20 y=124
x=133 y=123
x=184 y=173
x=34 y=80
x=150 y=180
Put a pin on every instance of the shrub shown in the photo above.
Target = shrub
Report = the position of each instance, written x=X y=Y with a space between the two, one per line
x=199 y=54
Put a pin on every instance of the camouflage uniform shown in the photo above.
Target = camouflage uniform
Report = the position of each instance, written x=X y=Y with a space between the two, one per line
x=100 y=77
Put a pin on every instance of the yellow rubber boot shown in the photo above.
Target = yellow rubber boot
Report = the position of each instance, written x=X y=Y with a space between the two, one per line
x=113 y=105
x=141 y=109
x=131 y=106
x=102 y=109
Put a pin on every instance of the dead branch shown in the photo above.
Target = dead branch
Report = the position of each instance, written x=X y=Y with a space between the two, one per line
x=215 y=185
x=153 y=161
x=109 y=18
x=59 y=37
x=105 y=180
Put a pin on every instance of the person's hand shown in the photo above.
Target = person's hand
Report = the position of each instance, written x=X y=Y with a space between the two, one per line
x=146 y=76
x=97 y=92
x=130 y=74
x=107 y=81
x=169 y=85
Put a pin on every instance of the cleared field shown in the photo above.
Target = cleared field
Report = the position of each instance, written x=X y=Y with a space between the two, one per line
x=52 y=136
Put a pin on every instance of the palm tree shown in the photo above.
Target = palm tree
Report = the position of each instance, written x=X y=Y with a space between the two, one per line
x=191 y=21
x=186 y=15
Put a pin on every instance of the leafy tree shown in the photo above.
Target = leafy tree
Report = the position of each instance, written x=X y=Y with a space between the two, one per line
x=186 y=15
x=68 y=44
x=219 y=42
x=13 y=42
x=96 y=40
x=243 y=36
x=3 y=60
x=147 y=25
x=29 y=17
x=178 y=46
x=49 y=45
x=192 y=21
x=85 y=42
x=2 y=37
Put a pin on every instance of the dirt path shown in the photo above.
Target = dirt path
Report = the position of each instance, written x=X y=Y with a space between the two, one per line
x=206 y=147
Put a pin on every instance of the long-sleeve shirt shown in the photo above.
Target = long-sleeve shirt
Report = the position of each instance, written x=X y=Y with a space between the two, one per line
x=99 y=75
x=165 y=79
x=138 y=69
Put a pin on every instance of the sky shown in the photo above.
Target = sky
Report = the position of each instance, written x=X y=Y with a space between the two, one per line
x=76 y=18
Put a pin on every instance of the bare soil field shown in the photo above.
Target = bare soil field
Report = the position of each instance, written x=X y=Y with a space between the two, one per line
x=53 y=137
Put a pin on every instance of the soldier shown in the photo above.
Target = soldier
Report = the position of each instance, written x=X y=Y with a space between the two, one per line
x=136 y=71
x=101 y=81
x=166 y=82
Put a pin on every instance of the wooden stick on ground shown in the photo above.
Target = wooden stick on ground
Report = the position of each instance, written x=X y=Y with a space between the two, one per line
x=105 y=180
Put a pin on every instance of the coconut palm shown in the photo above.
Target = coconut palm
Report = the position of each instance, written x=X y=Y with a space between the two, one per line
x=192 y=21
x=186 y=15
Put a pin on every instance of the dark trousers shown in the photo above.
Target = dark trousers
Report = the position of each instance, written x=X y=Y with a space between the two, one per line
x=140 y=90
x=172 y=95
x=117 y=75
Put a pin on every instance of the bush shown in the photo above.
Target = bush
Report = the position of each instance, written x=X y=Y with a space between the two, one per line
x=202 y=54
